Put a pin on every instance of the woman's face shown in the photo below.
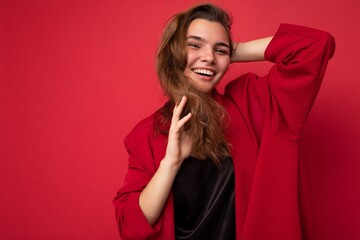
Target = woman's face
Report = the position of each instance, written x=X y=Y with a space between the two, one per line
x=208 y=54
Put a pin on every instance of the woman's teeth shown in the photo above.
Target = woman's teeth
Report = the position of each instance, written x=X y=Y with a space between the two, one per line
x=204 y=72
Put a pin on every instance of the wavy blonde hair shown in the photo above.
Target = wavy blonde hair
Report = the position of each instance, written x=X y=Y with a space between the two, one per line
x=206 y=126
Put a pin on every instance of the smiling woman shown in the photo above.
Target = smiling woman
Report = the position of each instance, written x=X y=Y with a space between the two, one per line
x=190 y=47
x=208 y=54
x=212 y=166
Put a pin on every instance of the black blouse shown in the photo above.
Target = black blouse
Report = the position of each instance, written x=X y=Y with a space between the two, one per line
x=204 y=200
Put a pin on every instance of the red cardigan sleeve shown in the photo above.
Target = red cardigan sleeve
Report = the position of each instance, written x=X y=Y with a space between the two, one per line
x=274 y=109
x=288 y=92
x=130 y=218
x=277 y=205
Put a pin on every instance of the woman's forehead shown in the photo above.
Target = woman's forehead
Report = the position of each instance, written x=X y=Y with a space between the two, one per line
x=207 y=30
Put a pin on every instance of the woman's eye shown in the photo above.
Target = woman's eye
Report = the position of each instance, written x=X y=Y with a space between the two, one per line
x=221 y=51
x=193 y=45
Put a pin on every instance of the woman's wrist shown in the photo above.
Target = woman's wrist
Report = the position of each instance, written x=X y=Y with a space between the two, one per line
x=170 y=164
x=153 y=197
x=250 y=51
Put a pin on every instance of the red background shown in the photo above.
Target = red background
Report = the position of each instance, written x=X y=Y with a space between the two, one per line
x=76 y=76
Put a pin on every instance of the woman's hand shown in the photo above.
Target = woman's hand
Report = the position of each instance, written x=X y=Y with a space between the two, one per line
x=179 y=143
x=152 y=199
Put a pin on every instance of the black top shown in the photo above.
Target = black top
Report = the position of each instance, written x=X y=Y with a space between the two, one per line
x=204 y=200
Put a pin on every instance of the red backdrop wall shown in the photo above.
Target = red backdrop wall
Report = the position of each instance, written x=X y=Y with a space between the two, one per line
x=76 y=76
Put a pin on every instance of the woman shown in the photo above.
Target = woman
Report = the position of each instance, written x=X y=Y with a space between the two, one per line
x=212 y=166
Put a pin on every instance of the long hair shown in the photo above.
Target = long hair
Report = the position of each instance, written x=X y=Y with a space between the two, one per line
x=206 y=126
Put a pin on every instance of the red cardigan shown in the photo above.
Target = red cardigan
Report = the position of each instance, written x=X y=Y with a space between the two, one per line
x=267 y=114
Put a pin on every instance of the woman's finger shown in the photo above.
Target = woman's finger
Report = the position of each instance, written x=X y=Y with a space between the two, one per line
x=178 y=109
x=184 y=120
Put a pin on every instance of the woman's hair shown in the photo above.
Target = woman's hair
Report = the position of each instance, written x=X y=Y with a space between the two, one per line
x=206 y=126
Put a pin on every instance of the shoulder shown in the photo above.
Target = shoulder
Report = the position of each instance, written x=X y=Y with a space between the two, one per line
x=241 y=85
x=145 y=144
x=242 y=92
x=142 y=130
x=145 y=135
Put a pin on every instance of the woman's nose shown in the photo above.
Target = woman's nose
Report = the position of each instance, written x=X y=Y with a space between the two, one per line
x=207 y=55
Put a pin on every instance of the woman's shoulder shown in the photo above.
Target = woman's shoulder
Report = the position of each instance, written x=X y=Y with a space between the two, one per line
x=142 y=129
x=145 y=142
x=148 y=128
x=241 y=84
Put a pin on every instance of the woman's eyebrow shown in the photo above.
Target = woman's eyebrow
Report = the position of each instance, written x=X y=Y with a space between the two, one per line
x=223 y=44
x=196 y=38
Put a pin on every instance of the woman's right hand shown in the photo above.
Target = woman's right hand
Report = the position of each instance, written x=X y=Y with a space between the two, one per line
x=152 y=199
x=179 y=143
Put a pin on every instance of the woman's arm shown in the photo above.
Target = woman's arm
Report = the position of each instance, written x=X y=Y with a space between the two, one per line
x=153 y=197
x=250 y=51
x=287 y=93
